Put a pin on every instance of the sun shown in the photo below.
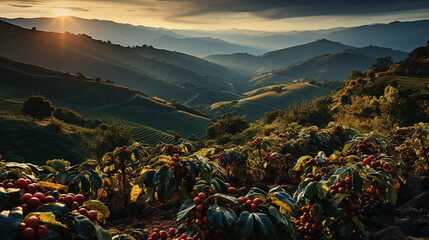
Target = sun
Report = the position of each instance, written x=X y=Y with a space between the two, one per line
x=61 y=12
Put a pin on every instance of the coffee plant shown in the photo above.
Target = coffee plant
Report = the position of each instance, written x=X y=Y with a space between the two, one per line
x=341 y=178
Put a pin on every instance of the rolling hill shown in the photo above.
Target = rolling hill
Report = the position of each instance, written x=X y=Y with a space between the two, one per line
x=324 y=68
x=266 y=99
x=152 y=120
x=202 y=46
x=377 y=52
x=144 y=68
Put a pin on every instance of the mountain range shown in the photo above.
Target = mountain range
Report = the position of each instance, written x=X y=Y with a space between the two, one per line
x=202 y=46
x=403 y=36
x=250 y=65
x=156 y=72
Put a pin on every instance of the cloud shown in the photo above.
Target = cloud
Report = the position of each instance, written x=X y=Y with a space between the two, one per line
x=278 y=9
x=199 y=11
x=77 y=9
x=20 y=5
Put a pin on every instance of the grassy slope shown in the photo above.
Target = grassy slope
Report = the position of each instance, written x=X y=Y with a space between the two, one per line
x=26 y=140
x=98 y=100
x=136 y=68
x=323 y=68
x=260 y=101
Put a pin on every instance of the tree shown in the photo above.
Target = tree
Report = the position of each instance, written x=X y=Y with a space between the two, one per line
x=383 y=64
x=103 y=141
x=69 y=116
x=37 y=107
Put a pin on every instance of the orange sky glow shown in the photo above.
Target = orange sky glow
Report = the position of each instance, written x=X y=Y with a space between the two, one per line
x=167 y=14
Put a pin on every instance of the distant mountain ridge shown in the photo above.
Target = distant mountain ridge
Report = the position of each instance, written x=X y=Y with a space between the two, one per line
x=202 y=46
x=98 y=29
x=131 y=35
x=251 y=65
x=403 y=36
x=156 y=72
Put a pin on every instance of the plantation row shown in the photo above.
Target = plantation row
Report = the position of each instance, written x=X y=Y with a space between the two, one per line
x=341 y=178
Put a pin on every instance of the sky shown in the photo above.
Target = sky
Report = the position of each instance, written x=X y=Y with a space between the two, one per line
x=267 y=15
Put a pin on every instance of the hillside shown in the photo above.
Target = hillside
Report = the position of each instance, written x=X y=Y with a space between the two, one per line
x=202 y=46
x=323 y=68
x=93 y=99
x=266 y=99
x=377 y=52
x=386 y=95
x=144 y=68
x=239 y=62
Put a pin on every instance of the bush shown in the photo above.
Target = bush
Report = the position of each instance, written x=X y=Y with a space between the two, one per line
x=54 y=125
x=94 y=123
x=37 y=107
x=316 y=112
x=228 y=124
x=270 y=117
x=69 y=116
x=116 y=135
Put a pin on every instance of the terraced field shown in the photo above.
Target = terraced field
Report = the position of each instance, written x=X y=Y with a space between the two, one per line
x=149 y=128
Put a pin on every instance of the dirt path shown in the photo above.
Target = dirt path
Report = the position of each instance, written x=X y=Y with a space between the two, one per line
x=191 y=99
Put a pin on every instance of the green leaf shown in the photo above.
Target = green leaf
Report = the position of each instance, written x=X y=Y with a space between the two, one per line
x=9 y=222
x=146 y=179
x=226 y=197
x=284 y=197
x=229 y=216
x=276 y=189
x=277 y=215
x=244 y=226
x=58 y=209
x=165 y=191
x=215 y=216
x=81 y=225
x=357 y=182
x=9 y=198
x=310 y=191
x=185 y=209
x=102 y=234
x=257 y=192
x=300 y=164
x=61 y=177
x=85 y=185
x=219 y=185
x=95 y=179
x=346 y=231
x=265 y=226
x=163 y=174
